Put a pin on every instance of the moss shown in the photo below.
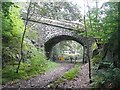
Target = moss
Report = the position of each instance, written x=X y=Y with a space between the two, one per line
x=96 y=59
x=94 y=46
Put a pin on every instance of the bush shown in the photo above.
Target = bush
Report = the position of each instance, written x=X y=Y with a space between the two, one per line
x=12 y=29
x=107 y=78
x=37 y=65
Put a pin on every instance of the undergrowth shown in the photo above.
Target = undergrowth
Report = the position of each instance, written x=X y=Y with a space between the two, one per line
x=28 y=69
x=105 y=75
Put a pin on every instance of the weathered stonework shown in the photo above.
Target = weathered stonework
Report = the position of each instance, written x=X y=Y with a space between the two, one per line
x=51 y=32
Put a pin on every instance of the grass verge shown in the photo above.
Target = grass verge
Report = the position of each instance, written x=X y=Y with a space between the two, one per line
x=71 y=74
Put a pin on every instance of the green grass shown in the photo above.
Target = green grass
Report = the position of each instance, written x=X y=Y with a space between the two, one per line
x=26 y=70
x=51 y=65
x=71 y=74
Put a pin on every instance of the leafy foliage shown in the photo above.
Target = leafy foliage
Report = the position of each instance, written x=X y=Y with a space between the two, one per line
x=105 y=29
x=107 y=79
x=27 y=70
x=30 y=67
x=12 y=29
x=96 y=59
x=59 y=10
x=106 y=24
x=34 y=61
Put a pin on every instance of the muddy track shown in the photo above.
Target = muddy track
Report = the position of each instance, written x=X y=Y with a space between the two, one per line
x=41 y=81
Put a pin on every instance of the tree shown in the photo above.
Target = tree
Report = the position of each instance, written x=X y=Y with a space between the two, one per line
x=12 y=28
x=102 y=23
x=58 y=10
x=105 y=26
x=23 y=36
x=106 y=32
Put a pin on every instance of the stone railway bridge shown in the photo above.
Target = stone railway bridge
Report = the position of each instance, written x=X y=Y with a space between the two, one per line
x=50 y=32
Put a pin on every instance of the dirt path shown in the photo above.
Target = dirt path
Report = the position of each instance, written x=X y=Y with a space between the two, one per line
x=42 y=80
x=81 y=81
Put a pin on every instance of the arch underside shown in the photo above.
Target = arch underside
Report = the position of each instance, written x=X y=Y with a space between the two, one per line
x=53 y=41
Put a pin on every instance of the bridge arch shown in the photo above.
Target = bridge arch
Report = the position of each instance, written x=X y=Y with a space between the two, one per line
x=56 y=39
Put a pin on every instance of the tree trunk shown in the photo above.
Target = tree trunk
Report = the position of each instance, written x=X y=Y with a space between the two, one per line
x=21 y=58
x=83 y=55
